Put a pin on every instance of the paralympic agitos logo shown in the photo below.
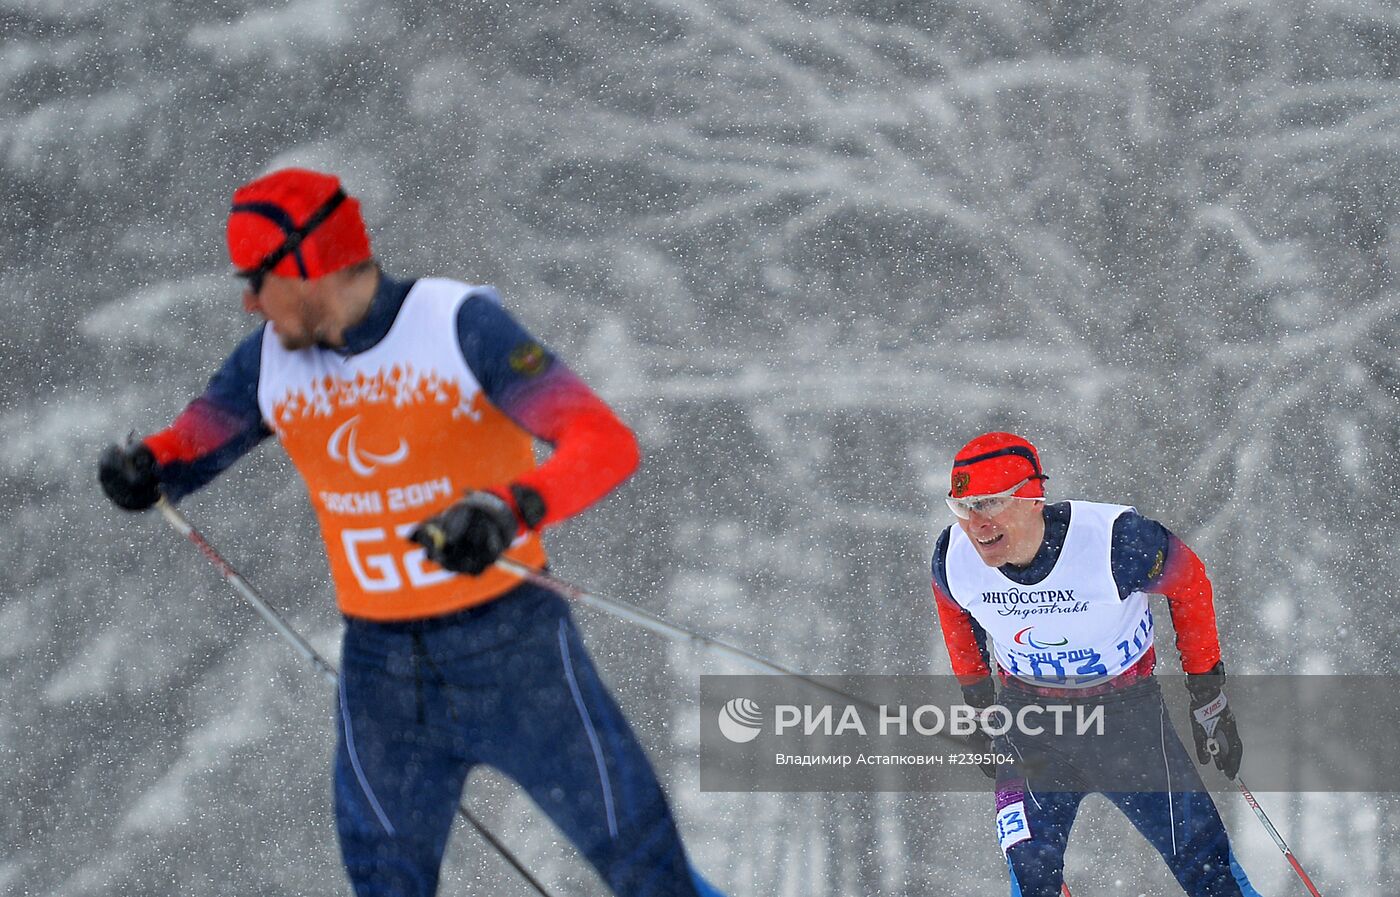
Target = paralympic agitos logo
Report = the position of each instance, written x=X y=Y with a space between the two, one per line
x=343 y=446
x=1024 y=637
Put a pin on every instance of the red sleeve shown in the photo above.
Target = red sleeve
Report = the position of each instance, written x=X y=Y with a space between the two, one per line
x=593 y=450
x=217 y=428
x=200 y=430
x=1184 y=583
x=965 y=654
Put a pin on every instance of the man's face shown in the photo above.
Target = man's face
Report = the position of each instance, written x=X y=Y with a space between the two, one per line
x=1010 y=537
x=287 y=304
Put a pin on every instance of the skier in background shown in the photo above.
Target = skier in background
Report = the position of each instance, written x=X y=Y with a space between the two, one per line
x=410 y=408
x=1058 y=595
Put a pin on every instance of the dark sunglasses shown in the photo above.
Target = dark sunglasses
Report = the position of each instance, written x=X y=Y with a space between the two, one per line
x=257 y=276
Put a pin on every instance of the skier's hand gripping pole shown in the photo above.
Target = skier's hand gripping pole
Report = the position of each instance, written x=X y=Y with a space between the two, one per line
x=1213 y=727
x=469 y=535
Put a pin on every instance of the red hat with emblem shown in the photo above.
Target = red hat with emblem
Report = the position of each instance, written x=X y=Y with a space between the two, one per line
x=296 y=222
x=994 y=462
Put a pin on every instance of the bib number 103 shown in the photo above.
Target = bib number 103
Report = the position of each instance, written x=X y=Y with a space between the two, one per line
x=382 y=564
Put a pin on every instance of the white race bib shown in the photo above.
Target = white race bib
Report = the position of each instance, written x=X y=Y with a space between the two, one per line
x=1012 y=825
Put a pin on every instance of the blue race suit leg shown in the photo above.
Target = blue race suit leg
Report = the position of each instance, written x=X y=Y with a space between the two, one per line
x=1037 y=863
x=576 y=756
x=1166 y=801
x=1184 y=826
x=508 y=684
x=397 y=779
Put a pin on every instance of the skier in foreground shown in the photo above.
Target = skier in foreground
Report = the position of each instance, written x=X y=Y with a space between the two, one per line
x=1059 y=594
x=410 y=410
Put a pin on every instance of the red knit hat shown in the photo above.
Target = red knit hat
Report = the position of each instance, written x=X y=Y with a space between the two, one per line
x=994 y=462
x=269 y=213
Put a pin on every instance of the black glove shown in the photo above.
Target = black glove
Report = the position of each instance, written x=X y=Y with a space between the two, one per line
x=1213 y=722
x=471 y=534
x=981 y=695
x=130 y=475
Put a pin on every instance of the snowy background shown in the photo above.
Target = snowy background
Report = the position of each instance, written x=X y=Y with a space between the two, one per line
x=807 y=249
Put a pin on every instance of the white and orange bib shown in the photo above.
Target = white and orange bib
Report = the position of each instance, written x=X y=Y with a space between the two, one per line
x=385 y=439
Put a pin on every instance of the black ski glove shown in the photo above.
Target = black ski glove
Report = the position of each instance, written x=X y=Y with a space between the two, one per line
x=981 y=695
x=1213 y=722
x=130 y=475
x=471 y=534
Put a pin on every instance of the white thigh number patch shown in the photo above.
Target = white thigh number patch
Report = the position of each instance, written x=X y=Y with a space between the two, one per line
x=1012 y=827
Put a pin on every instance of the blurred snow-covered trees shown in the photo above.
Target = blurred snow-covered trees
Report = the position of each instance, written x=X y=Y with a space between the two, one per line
x=807 y=249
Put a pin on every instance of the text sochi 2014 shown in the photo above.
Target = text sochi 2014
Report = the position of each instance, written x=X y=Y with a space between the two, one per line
x=931 y=719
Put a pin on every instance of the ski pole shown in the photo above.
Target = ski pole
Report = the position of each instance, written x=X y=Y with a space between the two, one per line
x=644 y=618
x=1213 y=748
x=1278 y=839
x=269 y=613
x=654 y=623
x=648 y=620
